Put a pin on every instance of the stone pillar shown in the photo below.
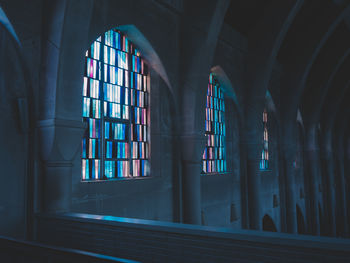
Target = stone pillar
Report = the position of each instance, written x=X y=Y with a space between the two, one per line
x=343 y=202
x=253 y=182
x=192 y=147
x=312 y=158
x=57 y=186
x=59 y=142
x=327 y=160
x=291 y=215
x=289 y=156
x=252 y=143
x=331 y=200
x=191 y=192
x=347 y=174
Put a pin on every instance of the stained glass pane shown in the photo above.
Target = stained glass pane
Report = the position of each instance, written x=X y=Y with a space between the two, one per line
x=214 y=157
x=115 y=109
x=264 y=163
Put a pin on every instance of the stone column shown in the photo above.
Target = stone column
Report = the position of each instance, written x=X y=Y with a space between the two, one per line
x=199 y=29
x=347 y=174
x=252 y=143
x=253 y=182
x=191 y=175
x=327 y=159
x=59 y=142
x=343 y=202
x=289 y=156
x=57 y=186
x=312 y=158
x=291 y=215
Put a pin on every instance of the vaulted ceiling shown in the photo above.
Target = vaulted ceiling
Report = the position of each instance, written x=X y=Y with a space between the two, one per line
x=315 y=49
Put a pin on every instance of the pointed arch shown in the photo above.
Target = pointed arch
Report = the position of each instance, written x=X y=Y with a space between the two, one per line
x=77 y=26
x=233 y=113
x=147 y=50
x=226 y=85
x=268 y=224
x=116 y=109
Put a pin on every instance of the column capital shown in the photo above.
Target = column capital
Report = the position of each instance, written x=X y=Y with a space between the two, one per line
x=59 y=139
x=51 y=163
x=55 y=122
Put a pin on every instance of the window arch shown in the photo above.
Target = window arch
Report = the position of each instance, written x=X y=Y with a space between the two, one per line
x=116 y=110
x=264 y=162
x=214 y=155
x=268 y=224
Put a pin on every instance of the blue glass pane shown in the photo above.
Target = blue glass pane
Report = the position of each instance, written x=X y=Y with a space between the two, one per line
x=214 y=129
x=116 y=79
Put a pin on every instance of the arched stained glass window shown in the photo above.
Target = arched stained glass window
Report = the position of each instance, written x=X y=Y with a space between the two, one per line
x=264 y=162
x=115 y=108
x=214 y=156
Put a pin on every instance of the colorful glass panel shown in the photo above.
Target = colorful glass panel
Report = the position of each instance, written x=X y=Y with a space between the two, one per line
x=264 y=162
x=115 y=109
x=214 y=156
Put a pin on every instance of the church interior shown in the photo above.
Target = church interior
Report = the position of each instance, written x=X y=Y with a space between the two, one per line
x=175 y=131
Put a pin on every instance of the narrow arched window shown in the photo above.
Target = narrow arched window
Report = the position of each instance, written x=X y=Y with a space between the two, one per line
x=264 y=162
x=115 y=109
x=214 y=157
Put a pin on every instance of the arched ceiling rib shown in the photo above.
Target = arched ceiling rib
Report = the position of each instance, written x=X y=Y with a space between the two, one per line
x=312 y=27
x=324 y=68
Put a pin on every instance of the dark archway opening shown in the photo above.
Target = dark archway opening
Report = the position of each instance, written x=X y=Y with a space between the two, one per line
x=300 y=221
x=268 y=224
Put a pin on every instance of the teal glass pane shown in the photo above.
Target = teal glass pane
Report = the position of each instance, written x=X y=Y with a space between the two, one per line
x=115 y=105
x=213 y=155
